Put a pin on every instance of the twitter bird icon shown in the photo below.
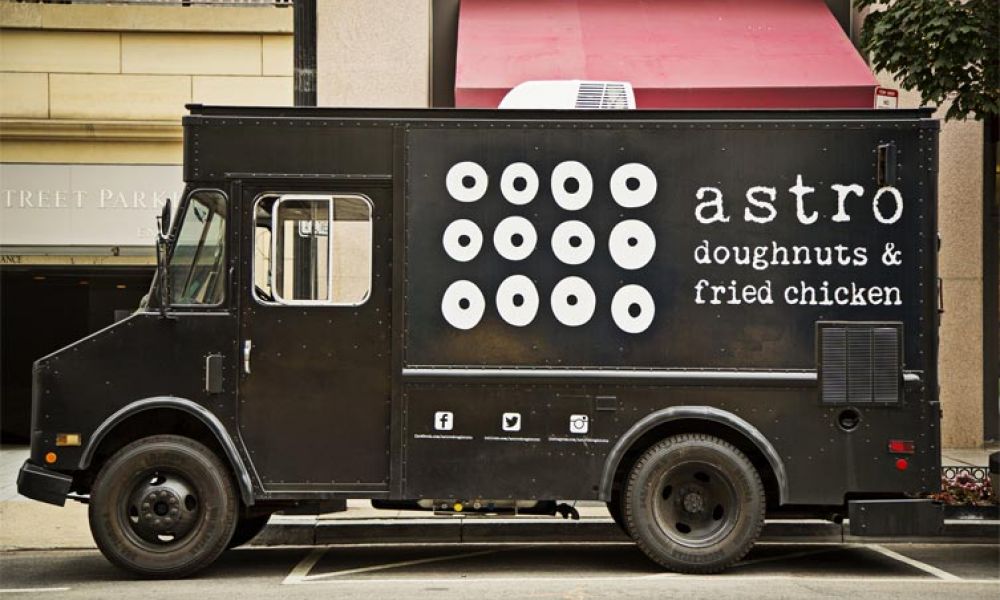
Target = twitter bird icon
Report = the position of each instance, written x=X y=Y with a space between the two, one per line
x=511 y=421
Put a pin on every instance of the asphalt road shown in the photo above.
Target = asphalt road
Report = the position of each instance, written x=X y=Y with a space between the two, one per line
x=557 y=570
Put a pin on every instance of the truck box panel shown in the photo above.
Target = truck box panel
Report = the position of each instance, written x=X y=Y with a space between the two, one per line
x=687 y=330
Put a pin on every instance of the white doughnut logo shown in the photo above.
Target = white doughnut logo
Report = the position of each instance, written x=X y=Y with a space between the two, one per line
x=519 y=183
x=573 y=301
x=462 y=240
x=573 y=242
x=633 y=185
x=515 y=238
x=632 y=244
x=571 y=185
x=463 y=304
x=466 y=181
x=633 y=309
x=517 y=300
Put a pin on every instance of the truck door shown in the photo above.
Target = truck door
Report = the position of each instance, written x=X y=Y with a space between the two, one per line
x=314 y=338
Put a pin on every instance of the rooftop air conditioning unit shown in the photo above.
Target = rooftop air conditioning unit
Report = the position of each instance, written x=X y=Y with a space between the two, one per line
x=571 y=94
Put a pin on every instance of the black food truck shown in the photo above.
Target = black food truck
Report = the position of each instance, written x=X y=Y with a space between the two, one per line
x=701 y=318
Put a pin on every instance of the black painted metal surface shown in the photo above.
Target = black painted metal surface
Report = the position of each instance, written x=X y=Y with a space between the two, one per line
x=314 y=408
x=684 y=334
x=333 y=405
x=895 y=518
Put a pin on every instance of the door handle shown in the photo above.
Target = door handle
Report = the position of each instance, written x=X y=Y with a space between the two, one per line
x=247 y=346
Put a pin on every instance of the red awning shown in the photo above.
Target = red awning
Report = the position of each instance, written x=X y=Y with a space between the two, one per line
x=675 y=53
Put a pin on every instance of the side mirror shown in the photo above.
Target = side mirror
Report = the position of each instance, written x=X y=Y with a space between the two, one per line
x=162 y=272
x=163 y=222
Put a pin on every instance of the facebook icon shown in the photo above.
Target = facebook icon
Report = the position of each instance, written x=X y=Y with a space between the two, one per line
x=443 y=421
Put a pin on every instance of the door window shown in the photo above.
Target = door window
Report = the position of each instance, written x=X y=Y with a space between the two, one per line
x=198 y=259
x=312 y=249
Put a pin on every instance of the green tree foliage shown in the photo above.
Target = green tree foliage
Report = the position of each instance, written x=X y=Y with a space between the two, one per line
x=946 y=49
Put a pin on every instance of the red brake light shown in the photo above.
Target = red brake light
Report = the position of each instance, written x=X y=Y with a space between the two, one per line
x=901 y=446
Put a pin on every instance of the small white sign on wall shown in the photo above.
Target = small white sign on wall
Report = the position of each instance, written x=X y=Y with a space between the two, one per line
x=84 y=205
x=886 y=98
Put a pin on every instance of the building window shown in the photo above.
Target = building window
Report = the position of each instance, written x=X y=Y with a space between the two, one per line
x=197 y=263
x=312 y=249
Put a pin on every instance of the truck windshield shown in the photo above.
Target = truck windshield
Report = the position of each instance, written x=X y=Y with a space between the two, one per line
x=199 y=253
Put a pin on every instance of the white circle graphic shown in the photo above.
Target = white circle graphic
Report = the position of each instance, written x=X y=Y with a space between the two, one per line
x=573 y=242
x=456 y=181
x=517 y=300
x=463 y=304
x=462 y=240
x=515 y=238
x=511 y=175
x=632 y=244
x=645 y=185
x=633 y=309
x=573 y=301
x=564 y=172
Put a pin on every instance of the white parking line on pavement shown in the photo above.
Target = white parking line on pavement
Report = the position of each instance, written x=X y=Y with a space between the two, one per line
x=403 y=563
x=757 y=561
x=676 y=577
x=300 y=573
x=32 y=590
x=939 y=573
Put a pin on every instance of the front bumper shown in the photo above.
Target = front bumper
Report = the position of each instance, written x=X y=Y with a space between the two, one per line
x=39 y=483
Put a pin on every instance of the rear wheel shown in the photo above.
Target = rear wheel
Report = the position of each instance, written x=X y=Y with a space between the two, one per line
x=694 y=504
x=163 y=506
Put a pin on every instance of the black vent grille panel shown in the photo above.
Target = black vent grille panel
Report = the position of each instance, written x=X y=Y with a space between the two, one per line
x=860 y=363
x=834 y=365
x=885 y=361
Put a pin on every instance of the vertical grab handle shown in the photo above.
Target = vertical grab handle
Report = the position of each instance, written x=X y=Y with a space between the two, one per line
x=940 y=295
x=247 y=346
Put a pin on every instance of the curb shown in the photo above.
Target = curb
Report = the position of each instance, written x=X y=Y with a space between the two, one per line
x=477 y=530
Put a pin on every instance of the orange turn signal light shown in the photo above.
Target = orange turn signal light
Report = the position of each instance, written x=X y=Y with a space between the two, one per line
x=68 y=439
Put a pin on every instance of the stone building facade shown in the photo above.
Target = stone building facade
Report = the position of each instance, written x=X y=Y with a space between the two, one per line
x=91 y=98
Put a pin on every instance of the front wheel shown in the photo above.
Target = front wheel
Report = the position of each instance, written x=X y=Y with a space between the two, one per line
x=163 y=506
x=694 y=504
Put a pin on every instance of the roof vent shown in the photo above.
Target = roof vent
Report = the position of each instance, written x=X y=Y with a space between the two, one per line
x=571 y=94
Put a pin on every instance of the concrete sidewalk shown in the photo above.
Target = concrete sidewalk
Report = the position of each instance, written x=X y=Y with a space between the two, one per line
x=967 y=457
x=25 y=524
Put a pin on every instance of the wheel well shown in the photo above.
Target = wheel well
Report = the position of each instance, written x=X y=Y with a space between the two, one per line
x=142 y=424
x=719 y=430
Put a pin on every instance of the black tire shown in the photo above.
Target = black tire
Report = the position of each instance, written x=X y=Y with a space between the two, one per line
x=615 y=508
x=163 y=507
x=247 y=529
x=694 y=504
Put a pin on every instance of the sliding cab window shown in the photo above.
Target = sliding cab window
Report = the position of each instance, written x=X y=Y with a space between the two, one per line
x=312 y=249
x=198 y=260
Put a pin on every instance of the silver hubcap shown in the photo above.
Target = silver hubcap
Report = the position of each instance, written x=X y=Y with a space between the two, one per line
x=696 y=506
x=162 y=508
